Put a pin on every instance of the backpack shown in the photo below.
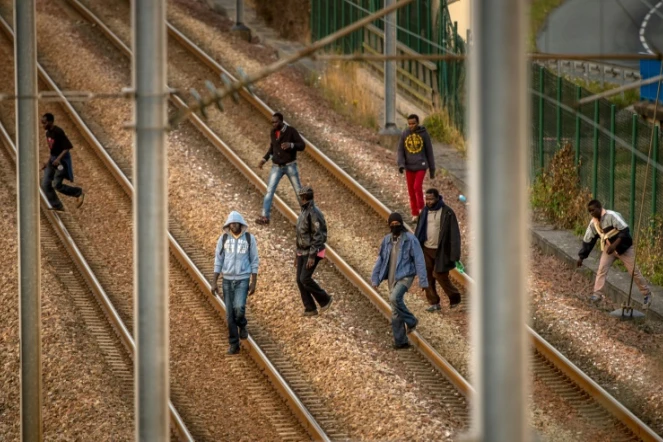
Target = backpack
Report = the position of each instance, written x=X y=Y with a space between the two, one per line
x=224 y=237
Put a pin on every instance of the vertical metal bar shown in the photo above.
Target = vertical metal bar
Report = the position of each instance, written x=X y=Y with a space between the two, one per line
x=634 y=144
x=595 y=158
x=29 y=254
x=558 y=113
x=319 y=18
x=151 y=220
x=419 y=28
x=390 y=72
x=654 y=177
x=498 y=167
x=454 y=85
x=334 y=20
x=578 y=97
x=542 y=158
x=611 y=191
x=407 y=36
x=239 y=19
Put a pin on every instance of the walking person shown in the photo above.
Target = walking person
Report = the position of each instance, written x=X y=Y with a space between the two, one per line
x=236 y=260
x=285 y=142
x=415 y=155
x=439 y=235
x=612 y=232
x=400 y=259
x=59 y=166
x=311 y=239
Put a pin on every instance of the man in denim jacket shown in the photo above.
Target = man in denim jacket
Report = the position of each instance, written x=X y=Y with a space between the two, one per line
x=399 y=261
x=236 y=258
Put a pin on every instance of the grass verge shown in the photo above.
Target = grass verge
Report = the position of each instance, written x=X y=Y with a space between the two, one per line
x=440 y=129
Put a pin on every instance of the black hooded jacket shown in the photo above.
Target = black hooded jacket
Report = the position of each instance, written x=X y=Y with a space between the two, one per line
x=287 y=134
x=415 y=150
x=311 y=230
x=448 y=247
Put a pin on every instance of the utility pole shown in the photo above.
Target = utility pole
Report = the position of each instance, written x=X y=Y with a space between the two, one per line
x=239 y=27
x=29 y=254
x=498 y=172
x=389 y=133
x=151 y=220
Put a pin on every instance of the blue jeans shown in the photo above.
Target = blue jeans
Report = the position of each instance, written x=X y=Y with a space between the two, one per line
x=234 y=296
x=400 y=315
x=51 y=179
x=275 y=175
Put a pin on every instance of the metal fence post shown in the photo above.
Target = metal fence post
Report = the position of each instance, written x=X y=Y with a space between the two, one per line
x=558 y=112
x=578 y=97
x=499 y=136
x=454 y=85
x=634 y=144
x=542 y=161
x=239 y=19
x=390 y=83
x=654 y=177
x=151 y=220
x=29 y=254
x=595 y=161
x=611 y=192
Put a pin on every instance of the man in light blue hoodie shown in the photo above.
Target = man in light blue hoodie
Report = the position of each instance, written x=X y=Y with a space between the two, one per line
x=236 y=259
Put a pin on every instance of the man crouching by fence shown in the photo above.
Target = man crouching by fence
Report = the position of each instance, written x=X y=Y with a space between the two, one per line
x=236 y=259
x=612 y=232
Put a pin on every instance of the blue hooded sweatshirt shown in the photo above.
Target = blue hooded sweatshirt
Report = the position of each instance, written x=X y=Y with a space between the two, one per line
x=238 y=259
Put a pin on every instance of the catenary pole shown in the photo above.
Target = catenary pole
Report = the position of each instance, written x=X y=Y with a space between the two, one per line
x=28 y=219
x=151 y=220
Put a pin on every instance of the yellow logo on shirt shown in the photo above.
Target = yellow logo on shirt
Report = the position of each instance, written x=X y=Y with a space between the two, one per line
x=414 y=143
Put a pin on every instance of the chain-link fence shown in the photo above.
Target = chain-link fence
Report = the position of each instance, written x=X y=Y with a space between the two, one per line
x=419 y=30
x=611 y=146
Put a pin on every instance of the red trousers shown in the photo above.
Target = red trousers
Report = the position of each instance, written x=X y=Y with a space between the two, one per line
x=415 y=188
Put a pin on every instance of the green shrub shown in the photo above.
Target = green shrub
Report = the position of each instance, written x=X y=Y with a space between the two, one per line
x=557 y=195
x=440 y=129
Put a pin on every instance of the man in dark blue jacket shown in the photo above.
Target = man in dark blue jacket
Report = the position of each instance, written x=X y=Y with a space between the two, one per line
x=399 y=261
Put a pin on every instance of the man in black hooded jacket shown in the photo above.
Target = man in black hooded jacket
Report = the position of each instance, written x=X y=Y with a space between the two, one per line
x=439 y=236
x=415 y=156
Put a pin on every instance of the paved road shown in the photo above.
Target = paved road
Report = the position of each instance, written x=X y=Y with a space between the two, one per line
x=602 y=26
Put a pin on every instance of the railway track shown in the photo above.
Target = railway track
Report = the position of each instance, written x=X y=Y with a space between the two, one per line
x=549 y=365
x=186 y=301
x=98 y=312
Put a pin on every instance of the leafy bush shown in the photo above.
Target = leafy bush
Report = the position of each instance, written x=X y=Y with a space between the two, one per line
x=440 y=129
x=650 y=250
x=557 y=195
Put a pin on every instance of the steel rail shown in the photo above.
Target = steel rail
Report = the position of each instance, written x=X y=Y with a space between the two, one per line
x=426 y=349
x=297 y=407
x=93 y=283
x=602 y=397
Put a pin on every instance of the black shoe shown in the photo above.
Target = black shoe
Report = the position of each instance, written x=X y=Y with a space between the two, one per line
x=409 y=329
x=80 y=199
x=233 y=350
x=434 y=308
x=326 y=307
x=401 y=346
x=243 y=333
x=453 y=305
x=310 y=313
x=57 y=209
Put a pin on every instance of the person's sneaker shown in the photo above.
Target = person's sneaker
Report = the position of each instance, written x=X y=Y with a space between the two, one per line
x=595 y=298
x=409 y=329
x=80 y=200
x=326 y=307
x=401 y=346
x=57 y=208
x=233 y=350
x=647 y=302
x=310 y=313
x=454 y=305
x=263 y=221
x=434 y=308
x=243 y=333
